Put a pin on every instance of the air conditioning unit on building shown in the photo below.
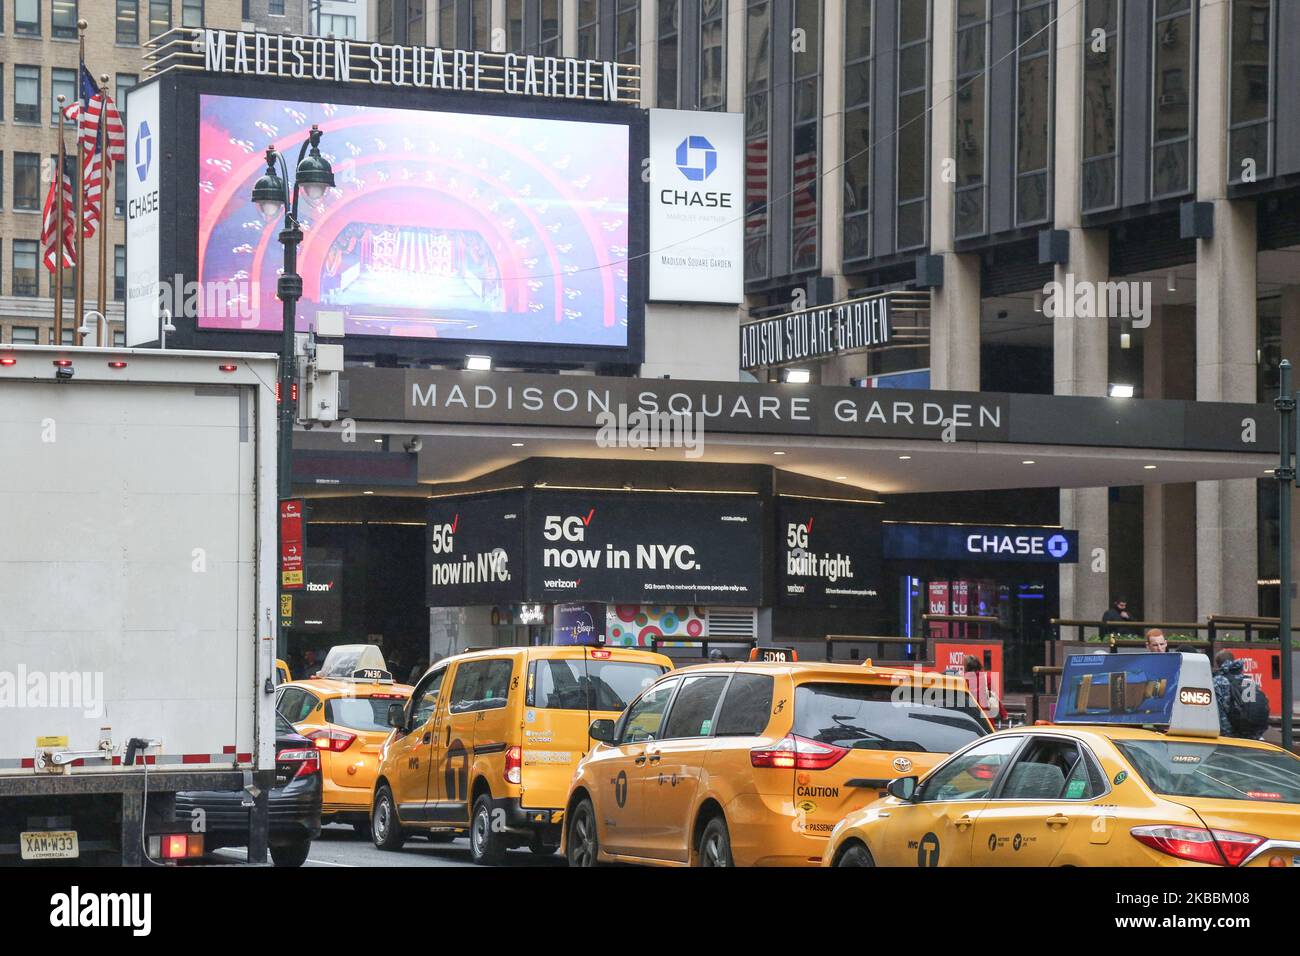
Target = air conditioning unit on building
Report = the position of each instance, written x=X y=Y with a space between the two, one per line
x=739 y=622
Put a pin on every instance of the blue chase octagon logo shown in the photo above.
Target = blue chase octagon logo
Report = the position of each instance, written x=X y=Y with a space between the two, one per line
x=696 y=158
x=1058 y=546
x=143 y=150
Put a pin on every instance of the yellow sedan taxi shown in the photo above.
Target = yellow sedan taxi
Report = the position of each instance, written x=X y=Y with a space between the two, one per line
x=344 y=712
x=1097 y=788
x=752 y=763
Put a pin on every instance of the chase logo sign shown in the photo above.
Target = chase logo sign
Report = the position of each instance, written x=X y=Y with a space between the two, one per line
x=143 y=150
x=696 y=158
x=1058 y=546
x=940 y=542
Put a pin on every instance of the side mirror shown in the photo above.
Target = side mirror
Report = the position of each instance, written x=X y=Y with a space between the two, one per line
x=602 y=730
x=902 y=788
x=397 y=715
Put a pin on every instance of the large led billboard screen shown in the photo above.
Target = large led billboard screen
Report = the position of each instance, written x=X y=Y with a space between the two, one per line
x=467 y=227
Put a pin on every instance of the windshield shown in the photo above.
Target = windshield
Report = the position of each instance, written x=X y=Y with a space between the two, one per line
x=866 y=717
x=1223 y=771
x=359 y=713
x=578 y=684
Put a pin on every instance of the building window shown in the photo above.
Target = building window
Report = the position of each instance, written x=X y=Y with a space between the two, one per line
x=128 y=22
x=27 y=94
x=970 y=112
x=119 y=273
x=23 y=334
x=27 y=180
x=515 y=26
x=627 y=31
x=713 y=54
x=274 y=7
x=62 y=83
x=1101 y=79
x=125 y=81
x=27 y=18
x=1034 y=98
x=415 y=23
x=119 y=339
x=2 y=180
x=548 y=28
x=192 y=13
x=805 y=72
x=63 y=19
x=913 y=139
x=758 y=76
x=2 y=77
x=1250 y=91
x=447 y=24
x=337 y=25
x=25 y=276
x=383 y=20
x=857 y=130
x=160 y=17
x=67 y=336
x=668 y=81
x=480 y=25
x=1173 y=39
x=589 y=29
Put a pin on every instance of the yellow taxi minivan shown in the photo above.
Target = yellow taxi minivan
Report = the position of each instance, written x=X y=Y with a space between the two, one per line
x=753 y=763
x=343 y=710
x=490 y=739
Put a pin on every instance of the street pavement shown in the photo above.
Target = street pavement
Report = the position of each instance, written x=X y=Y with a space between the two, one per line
x=339 y=846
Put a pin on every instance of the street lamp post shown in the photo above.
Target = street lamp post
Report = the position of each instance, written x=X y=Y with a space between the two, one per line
x=271 y=194
x=1286 y=475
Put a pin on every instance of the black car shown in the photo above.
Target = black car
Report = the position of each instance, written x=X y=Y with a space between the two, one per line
x=295 y=803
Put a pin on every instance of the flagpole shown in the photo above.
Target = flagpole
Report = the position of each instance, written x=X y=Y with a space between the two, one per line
x=105 y=174
x=58 y=237
x=81 y=195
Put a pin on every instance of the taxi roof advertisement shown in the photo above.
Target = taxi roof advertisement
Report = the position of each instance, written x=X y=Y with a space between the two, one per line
x=461 y=221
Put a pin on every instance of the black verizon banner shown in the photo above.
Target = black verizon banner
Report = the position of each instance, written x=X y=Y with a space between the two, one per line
x=829 y=553
x=474 y=551
x=645 y=548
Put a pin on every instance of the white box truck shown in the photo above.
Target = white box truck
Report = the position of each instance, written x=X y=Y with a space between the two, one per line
x=137 y=596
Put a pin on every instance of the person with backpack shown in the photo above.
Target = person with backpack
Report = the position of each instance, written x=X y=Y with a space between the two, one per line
x=1243 y=705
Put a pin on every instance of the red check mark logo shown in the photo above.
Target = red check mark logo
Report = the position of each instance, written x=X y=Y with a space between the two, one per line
x=810 y=521
x=454 y=522
x=590 y=514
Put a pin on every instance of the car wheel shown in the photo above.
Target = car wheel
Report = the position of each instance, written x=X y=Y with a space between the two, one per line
x=291 y=854
x=362 y=829
x=385 y=829
x=583 y=846
x=486 y=847
x=540 y=847
x=855 y=855
x=715 y=844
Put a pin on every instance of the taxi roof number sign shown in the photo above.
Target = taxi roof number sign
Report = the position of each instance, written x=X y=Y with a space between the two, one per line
x=1173 y=691
x=362 y=662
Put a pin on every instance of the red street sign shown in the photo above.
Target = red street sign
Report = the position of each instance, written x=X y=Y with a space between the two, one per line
x=291 y=576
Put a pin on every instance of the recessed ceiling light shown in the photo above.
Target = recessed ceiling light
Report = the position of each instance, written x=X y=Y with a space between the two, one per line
x=478 y=363
x=796 y=376
x=778 y=453
x=516 y=444
x=1119 y=390
x=841 y=477
x=379 y=441
x=904 y=457
x=1029 y=461
x=367 y=492
x=1149 y=467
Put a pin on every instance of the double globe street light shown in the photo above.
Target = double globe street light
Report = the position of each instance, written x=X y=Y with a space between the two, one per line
x=313 y=177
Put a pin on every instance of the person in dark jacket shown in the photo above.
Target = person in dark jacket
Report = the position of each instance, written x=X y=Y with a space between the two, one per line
x=1116 y=613
x=1244 y=713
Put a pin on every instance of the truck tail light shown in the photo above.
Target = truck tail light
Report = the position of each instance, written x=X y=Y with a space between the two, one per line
x=797 y=753
x=308 y=761
x=335 y=741
x=514 y=765
x=1217 y=847
x=176 y=846
x=7 y=361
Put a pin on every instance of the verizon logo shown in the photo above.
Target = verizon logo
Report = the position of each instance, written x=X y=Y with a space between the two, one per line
x=558 y=584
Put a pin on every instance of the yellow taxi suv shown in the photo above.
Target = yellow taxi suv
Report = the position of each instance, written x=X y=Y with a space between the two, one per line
x=344 y=712
x=1133 y=773
x=753 y=763
x=490 y=739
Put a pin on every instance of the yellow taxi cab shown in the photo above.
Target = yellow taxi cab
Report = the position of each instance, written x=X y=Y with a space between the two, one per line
x=489 y=740
x=343 y=710
x=282 y=675
x=753 y=763
x=1133 y=773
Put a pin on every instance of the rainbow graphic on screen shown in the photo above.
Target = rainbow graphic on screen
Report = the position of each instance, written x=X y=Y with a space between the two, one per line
x=460 y=226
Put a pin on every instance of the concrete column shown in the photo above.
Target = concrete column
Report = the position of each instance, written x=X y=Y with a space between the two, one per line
x=649 y=58
x=1080 y=359
x=734 y=37
x=1291 y=350
x=832 y=144
x=954 y=308
x=1227 y=536
x=569 y=28
x=497 y=21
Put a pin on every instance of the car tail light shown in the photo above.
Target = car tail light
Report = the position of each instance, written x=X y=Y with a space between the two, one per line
x=514 y=763
x=797 y=753
x=335 y=741
x=1219 y=847
x=388 y=697
x=176 y=846
x=308 y=761
x=602 y=655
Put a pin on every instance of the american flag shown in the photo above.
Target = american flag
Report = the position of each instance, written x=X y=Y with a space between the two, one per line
x=756 y=185
x=49 y=225
x=100 y=109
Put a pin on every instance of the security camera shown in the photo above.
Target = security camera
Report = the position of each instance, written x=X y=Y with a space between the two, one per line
x=415 y=444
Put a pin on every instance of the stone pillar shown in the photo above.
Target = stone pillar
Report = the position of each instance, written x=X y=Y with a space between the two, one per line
x=735 y=38
x=1291 y=350
x=649 y=52
x=1080 y=345
x=1226 y=534
x=569 y=28
x=954 y=308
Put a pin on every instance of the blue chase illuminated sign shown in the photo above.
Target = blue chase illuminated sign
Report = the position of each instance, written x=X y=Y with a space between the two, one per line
x=949 y=542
